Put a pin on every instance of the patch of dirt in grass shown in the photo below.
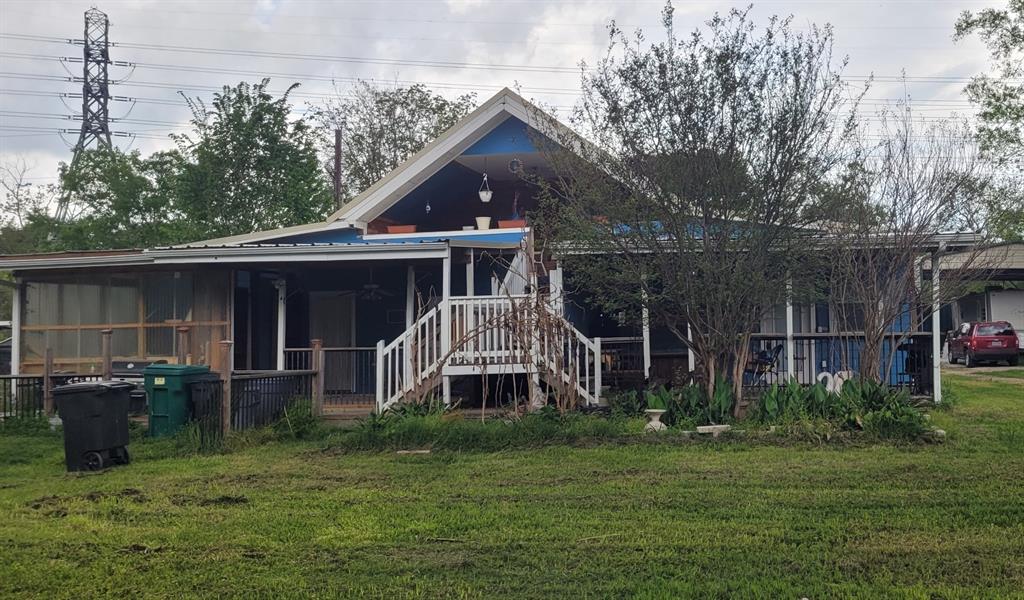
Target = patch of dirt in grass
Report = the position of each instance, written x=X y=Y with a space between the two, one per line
x=141 y=549
x=223 y=500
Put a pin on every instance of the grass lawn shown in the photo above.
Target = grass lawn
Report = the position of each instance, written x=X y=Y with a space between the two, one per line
x=700 y=519
x=1010 y=373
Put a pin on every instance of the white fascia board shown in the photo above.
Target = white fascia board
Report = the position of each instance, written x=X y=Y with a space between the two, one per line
x=455 y=233
x=263 y=236
x=297 y=254
x=240 y=254
x=72 y=262
x=423 y=167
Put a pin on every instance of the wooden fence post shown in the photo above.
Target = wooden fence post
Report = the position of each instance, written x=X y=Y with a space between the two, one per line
x=108 y=365
x=317 y=364
x=182 y=345
x=227 y=359
x=48 y=381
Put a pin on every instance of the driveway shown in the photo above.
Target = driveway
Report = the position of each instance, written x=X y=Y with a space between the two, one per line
x=991 y=372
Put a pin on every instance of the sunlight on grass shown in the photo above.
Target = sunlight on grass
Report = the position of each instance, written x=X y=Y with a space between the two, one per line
x=289 y=519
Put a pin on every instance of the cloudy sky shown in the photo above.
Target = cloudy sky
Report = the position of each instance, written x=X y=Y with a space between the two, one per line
x=453 y=46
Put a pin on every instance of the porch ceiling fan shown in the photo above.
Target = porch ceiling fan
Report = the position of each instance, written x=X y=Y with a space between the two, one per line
x=371 y=291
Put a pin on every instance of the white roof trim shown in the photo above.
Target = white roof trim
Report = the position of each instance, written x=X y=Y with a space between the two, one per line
x=238 y=254
x=262 y=236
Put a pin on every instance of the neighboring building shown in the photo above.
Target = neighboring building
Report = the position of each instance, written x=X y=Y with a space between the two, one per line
x=389 y=283
x=1003 y=297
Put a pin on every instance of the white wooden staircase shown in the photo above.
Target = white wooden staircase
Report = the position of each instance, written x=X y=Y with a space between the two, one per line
x=488 y=335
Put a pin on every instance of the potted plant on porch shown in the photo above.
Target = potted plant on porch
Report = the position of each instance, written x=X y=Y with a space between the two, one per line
x=657 y=405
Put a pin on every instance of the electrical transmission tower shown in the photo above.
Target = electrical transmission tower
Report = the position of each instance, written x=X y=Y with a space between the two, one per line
x=95 y=93
x=95 y=84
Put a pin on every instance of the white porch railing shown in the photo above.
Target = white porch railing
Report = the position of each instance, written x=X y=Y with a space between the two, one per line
x=410 y=360
x=497 y=333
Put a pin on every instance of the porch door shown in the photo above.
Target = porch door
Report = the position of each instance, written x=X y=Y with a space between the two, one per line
x=332 y=319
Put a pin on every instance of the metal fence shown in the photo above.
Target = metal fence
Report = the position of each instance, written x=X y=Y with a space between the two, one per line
x=208 y=411
x=24 y=396
x=21 y=397
x=350 y=374
x=911 y=367
x=261 y=398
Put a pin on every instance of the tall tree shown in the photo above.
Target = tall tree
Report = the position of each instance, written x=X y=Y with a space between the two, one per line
x=249 y=165
x=919 y=179
x=122 y=200
x=382 y=127
x=1000 y=99
x=694 y=187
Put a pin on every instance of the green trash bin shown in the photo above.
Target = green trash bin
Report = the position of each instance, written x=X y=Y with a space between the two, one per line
x=167 y=392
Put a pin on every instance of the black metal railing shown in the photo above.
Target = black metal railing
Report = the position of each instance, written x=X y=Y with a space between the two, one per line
x=350 y=375
x=208 y=410
x=817 y=353
x=21 y=397
x=622 y=355
x=24 y=396
x=260 y=398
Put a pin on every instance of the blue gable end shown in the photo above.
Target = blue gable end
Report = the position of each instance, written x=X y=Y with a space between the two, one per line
x=511 y=137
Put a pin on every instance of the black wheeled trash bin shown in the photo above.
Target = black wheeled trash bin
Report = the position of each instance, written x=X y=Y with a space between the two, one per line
x=95 y=418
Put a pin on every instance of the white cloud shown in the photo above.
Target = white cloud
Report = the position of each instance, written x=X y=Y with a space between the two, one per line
x=879 y=38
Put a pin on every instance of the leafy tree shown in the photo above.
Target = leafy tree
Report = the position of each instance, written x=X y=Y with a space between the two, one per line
x=695 y=185
x=123 y=200
x=1001 y=99
x=381 y=128
x=248 y=165
x=1001 y=103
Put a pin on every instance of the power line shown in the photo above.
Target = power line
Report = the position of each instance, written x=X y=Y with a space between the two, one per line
x=440 y=64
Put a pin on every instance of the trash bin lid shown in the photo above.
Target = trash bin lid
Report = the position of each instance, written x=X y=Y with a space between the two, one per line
x=164 y=369
x=92 y=386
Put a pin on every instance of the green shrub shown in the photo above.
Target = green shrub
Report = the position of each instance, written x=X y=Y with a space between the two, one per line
x=861 y=405
x=626 y=403
x=657 y=398
x=896 y=420
x=298 y=421
x=27 y=426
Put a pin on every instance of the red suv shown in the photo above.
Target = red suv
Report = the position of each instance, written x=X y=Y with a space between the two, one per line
x=977 y=342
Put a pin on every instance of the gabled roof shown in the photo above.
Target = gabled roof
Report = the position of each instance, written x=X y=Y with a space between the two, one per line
x=372 y=202
x=382 y=195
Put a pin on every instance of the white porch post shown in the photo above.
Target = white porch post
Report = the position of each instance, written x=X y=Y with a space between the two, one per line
x=691 y=360
x=410 y=296
x=936 y=333
x=790 y=342
x=446 y=323
x=646 y=318
x=470 y=309
x=557 y=291
x=282 y=315
x=16 y=329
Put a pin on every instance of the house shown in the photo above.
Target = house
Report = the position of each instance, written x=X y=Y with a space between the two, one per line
x=412 y=284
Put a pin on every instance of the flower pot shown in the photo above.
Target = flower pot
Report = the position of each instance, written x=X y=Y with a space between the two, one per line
x=511 y=223
x=654 y=420
x=485 y=195
x=483 y=222
x=401 y=229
